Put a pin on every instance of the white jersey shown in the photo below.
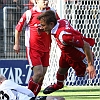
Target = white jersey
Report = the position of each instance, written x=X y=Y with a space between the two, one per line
x=15 y=91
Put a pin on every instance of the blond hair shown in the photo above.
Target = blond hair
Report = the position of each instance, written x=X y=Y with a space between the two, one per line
x=2 y=78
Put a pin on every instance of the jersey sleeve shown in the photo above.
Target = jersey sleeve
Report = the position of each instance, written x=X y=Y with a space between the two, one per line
x=74 y=40
x=21 y=22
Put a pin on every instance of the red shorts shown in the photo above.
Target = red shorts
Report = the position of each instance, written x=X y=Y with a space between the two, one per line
x=36 y=57
x=79 y=67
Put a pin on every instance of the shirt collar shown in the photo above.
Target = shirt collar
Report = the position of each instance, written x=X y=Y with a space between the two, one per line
x=55 y=28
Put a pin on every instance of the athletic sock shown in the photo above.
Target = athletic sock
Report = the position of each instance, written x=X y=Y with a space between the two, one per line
x=60 y=78
x=31 y=84
x=34 y=87
x=37 y=88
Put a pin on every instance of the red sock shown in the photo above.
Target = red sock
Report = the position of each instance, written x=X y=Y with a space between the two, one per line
x=37 y=89
x=60 y=78
x=30 y=84
x=34 y=87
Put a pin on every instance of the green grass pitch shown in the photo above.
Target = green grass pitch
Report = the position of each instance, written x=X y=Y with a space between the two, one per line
x=77 y=93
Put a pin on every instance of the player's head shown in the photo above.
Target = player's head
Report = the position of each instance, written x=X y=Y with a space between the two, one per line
x=47 y=20
x=42 y=3
x=2 y=78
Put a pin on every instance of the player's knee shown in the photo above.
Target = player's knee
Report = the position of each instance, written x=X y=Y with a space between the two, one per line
x=38 y=75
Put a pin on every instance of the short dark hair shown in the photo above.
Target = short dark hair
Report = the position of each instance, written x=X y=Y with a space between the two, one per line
x=48 y=16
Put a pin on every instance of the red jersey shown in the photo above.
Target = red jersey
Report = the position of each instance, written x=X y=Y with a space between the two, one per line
x=70 y=40
x=35 y=38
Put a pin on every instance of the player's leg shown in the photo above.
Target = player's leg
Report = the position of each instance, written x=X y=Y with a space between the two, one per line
x=39 y=70
x=61 y=76
x=59 y=84
x=34 y=60
x=35 y=81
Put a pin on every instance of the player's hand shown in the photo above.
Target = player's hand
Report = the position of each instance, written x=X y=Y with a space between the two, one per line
x=39 y=29
x=91 y=71
x=16 y=48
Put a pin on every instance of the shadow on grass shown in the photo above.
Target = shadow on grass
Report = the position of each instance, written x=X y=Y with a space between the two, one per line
x=82 y=90
x=78 y=94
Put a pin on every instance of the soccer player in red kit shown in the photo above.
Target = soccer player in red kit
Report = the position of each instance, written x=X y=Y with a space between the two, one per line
x=75 y=49
x=37 y=43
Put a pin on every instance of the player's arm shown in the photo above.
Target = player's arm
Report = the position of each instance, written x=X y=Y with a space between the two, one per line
x=88 y=53
x=18 y=30
x=89 y=57
x=77 y=41
x=17 y=43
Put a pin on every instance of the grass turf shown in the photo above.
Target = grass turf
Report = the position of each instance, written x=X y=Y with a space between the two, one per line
x=77 y=93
